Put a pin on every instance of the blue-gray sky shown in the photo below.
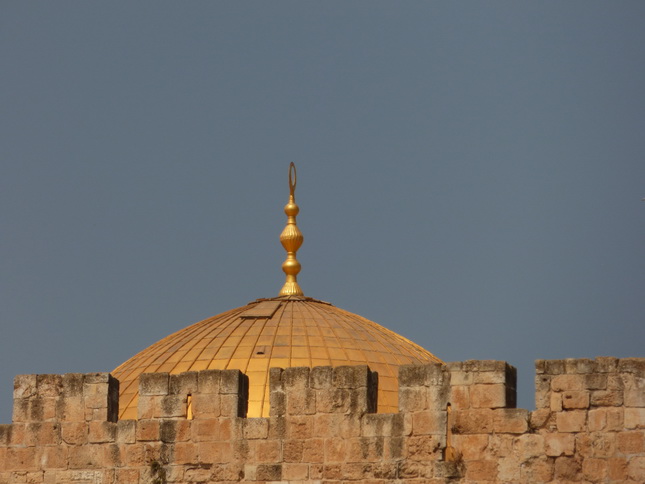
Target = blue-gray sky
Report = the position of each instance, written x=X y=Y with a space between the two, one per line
x=469 y=173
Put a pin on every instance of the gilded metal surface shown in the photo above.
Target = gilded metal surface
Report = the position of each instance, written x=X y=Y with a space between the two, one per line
x=291 y=239
x=301 y=332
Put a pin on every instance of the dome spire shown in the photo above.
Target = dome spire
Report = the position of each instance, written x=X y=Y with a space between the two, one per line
x=291 y=239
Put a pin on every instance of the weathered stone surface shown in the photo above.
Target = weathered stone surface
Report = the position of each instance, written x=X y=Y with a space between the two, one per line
x=153 y=384
x=588 y=427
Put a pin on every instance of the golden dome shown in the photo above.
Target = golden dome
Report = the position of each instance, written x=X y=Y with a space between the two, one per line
x=286 y=331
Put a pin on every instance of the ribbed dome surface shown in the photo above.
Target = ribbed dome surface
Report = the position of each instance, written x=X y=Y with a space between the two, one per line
x=281 y=332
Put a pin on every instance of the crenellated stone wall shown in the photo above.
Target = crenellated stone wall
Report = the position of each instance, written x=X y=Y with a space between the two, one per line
x=456 y=423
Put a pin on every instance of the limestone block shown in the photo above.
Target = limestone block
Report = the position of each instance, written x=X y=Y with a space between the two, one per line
x=22 y=458
x=351 y=376
x=541 y=418
x=277 y=403
x=567 y=468
x=554 y=367
x=197 y=474
x=185 y=453
x=542 y=390
x=596 y=381
x=321 y=377
x=481 y=470
x=172 y=406
x=459 y=396
x=184 y=383
x=488 y=396
x=232 y=405
x=126 y=476
x=233 y=382
x=472 y=421
x=561 y=383
x=333 y=400
x=276 y=382
x=617 y=468
x=529 y=446
x=125 y=432
x=101 y=397
x=429 y=422
x=632 y=365
x=556 y=402
x=634 y=418
x=501 y=445
x=70 y=407
x=510 y=420
x=208 y=381
x=636 y=468
x=295 y=472
x=606 y=364
x=336 y=450
x=54 y=457
x=147 y=430
x=49 y=385
x=334 y=425
x=154 y=384
x=606 y=398
x=617 y=381
x=256 y=428
x=596 y=444
x=300 y=427
x=412 y=399
x=42 y=433
x=292 y=450
x=571 y=421
x=74 y=433
x=425 y=447
x=411 y=376
x=313 y=450
x=205 y=430
x=579 y=365
x=85 y=456
x=21 y=411
x=265 y=451
x=558 y=444
x=296 y=378
x=206 y=406
x=575 y=400
x=415 y=470
x=175 y=430
x=385 y=425
x=484 y=365
x=508 y=470
x=635 y=397
x=539 y=469
x=300 y=401
x=269 y=472
x=471 y=446
x=632 y=442
x=5 y=433
x=277 y=427
x=332 y=472
x=24 y=386
x=149 y=406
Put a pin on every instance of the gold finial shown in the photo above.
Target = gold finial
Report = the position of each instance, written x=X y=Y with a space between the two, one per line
x=291 y=239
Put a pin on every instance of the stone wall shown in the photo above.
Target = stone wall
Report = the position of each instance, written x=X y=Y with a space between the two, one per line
x=456 y=423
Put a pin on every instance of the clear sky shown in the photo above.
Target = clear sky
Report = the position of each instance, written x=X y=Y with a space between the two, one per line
x=470 y=174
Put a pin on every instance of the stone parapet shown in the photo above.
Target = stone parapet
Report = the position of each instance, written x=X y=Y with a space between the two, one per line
x=456 y=423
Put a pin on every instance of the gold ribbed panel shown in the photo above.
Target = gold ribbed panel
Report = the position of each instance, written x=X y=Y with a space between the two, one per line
x=301 y=332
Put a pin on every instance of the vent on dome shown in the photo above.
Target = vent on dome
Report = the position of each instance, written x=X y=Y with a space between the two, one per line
x=264 y=309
